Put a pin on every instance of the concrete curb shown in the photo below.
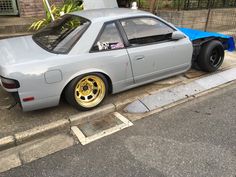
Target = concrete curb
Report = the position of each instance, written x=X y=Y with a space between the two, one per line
x=7 y=142
x=36 y=132
x=93 y=114
x=137 y=116
x=63 y=125
x=178 y=93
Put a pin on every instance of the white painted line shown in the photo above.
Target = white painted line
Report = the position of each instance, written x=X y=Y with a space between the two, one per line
x=85 y=140
x=78 y=133
x=122 y=118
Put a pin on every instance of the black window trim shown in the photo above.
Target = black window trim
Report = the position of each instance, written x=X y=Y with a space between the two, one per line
x=124 y=36
x=101 y=32
x=128 y=45
x=70 y=48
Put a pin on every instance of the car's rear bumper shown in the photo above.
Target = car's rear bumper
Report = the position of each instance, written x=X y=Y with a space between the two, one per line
x=40 y=103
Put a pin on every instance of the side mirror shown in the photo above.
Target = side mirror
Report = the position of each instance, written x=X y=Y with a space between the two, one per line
x=176 y=35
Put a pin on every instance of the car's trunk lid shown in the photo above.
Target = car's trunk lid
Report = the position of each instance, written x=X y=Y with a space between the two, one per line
x=20 y=50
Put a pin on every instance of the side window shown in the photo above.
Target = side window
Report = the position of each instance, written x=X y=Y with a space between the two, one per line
x=146 y=30
x=110 y=39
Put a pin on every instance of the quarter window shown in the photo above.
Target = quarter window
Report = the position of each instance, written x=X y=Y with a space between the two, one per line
x=146 y=30
x=110 y=39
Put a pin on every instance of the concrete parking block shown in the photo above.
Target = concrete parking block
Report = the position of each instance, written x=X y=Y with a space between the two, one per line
x=7 y=142
x=42 y=130
x=211 y=81
x=175 y=94
x=186 y=90
x=158 y=100
x=228 y=75
x=93 y=114
x=171 y=95
x=9 y=161
x=121 y=103
x=46 y=147
x=136 y=107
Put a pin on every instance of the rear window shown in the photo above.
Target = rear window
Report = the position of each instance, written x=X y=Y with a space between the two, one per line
x=61 y=35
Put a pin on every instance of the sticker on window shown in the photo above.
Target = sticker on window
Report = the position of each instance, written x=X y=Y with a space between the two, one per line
x=103 y=45
x=118 y=45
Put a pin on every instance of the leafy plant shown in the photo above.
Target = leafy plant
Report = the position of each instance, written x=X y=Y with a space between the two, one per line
x=57 y=11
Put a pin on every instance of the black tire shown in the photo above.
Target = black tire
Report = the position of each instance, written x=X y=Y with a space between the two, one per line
x=211 y=56
x=71 y=89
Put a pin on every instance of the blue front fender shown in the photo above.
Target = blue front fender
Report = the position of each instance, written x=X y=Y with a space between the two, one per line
x=197 y=34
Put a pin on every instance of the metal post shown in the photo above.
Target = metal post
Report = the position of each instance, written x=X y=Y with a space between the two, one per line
x=178 y=5
x=188 y=3
x=49 y=9
x=208 y=14
x=198 y=4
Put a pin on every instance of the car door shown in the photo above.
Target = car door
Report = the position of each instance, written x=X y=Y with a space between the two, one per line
x=152 y=52
x=110 y=54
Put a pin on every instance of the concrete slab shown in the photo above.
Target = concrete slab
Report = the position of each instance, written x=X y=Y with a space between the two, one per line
x=96 y=126
x=101 y=132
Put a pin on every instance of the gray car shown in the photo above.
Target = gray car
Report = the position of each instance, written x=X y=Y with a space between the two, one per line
x=89 y=54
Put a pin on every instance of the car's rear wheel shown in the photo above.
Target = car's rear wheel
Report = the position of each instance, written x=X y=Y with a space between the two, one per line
x=211 y=56
x=87 y=91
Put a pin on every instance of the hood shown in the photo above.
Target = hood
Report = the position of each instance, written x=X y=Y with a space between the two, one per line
x=20 y=50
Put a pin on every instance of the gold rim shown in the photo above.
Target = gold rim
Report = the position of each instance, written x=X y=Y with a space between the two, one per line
x=90 y=91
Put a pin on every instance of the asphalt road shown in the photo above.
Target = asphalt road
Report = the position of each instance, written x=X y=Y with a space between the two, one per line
x=197 y=139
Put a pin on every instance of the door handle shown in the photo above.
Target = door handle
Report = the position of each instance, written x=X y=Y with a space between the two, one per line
x=141 y=57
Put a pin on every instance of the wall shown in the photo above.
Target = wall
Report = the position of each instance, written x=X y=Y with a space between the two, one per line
x=32 y=8
x=220 y=20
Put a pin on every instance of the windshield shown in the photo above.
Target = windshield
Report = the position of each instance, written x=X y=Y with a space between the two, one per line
x=62 y=34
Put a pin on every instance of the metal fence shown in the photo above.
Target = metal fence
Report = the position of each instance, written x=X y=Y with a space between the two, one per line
x=204 y=4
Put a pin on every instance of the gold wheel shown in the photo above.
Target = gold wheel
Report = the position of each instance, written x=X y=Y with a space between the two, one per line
x=89 y=91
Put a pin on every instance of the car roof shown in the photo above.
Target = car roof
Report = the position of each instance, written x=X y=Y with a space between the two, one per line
x=108 y=14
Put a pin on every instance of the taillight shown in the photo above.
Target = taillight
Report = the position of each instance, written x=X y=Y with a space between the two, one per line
x=10 y=83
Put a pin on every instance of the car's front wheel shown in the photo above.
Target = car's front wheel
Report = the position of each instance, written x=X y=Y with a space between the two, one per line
x=87 y=91
x=211 y=56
